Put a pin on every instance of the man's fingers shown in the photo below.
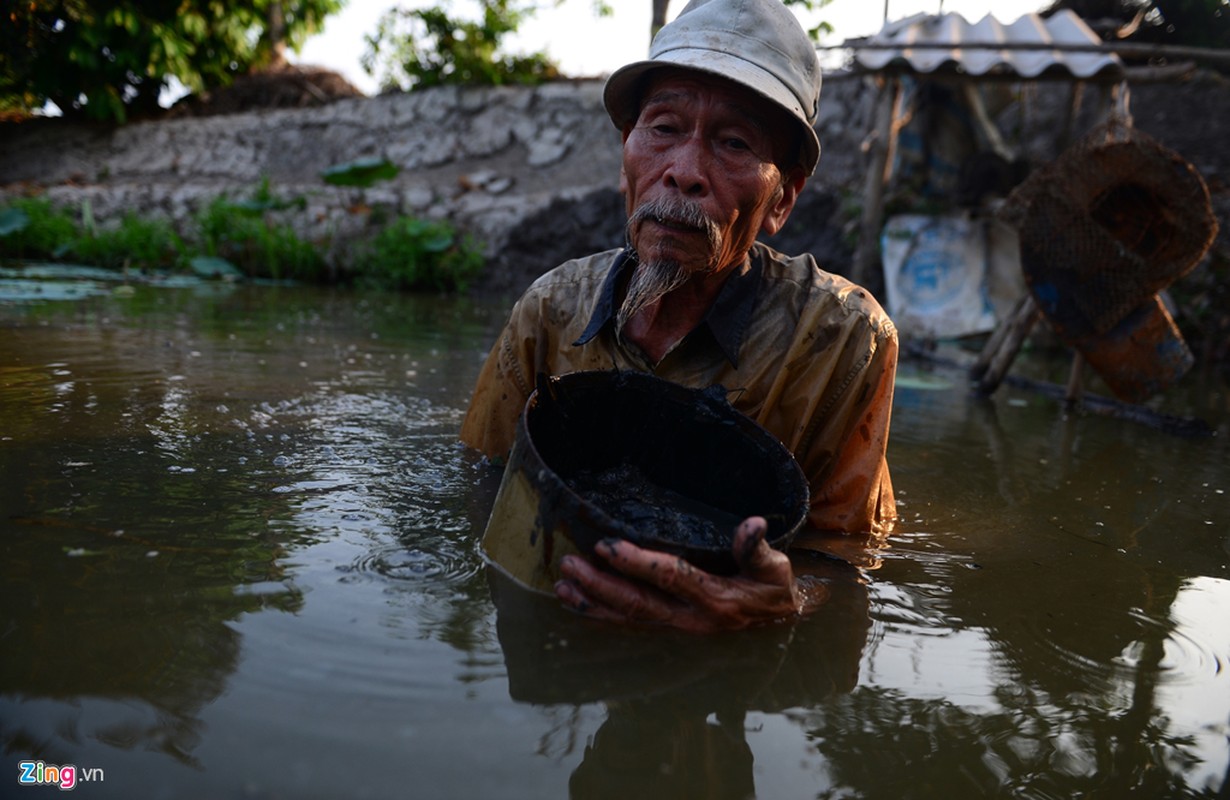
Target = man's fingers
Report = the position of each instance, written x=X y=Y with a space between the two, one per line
x=756 y=559
x=667 y=572
x=572 y=596
x=749 y=536
x=596 y=593
x=653 y=587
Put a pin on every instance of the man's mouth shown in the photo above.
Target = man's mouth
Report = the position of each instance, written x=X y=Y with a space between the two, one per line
x=675 y=224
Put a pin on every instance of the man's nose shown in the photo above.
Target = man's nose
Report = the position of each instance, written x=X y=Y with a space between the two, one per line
x=688 y=170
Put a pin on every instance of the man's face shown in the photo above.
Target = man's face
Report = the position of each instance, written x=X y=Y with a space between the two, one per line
x=707 y=145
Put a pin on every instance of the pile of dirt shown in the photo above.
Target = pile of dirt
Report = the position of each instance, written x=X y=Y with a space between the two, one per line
x=566 y=228
x=282 y=86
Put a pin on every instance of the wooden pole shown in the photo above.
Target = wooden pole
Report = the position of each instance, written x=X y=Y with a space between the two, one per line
x=1076 y=382
x=982 y=117
x=1018 y=330
x=868 y=254
x=1075 y=101
x=994 y=342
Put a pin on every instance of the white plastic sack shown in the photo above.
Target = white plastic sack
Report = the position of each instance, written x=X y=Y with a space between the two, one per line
x=935 y=275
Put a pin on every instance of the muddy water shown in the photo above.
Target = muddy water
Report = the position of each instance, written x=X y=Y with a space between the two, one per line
x=240 y=560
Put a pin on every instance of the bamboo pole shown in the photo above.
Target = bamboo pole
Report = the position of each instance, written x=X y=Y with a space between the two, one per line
x=1018 y=330
x=868 y=253
x=1076 y=382
x=995 y=341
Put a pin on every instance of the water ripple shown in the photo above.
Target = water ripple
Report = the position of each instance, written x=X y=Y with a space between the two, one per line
x=436 y=562
x=1176 y=655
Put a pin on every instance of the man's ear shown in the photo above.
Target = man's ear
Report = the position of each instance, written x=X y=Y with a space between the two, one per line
x=779 y=212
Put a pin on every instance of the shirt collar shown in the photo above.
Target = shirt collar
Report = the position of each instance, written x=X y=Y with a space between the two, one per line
x=727 y=319
x=604 y=310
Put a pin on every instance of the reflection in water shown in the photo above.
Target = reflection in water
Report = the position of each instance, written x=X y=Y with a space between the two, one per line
x=1072 y=585
x=156 y=474
x=238 y=531
x=676 y=704
x=101 y=604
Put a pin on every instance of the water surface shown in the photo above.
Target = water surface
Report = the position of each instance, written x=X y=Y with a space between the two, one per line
x=240 y=560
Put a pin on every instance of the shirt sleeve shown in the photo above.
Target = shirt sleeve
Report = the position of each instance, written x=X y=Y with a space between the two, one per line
x=504 y=385
x=845 y=459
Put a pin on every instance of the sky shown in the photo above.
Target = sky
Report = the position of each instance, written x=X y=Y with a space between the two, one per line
x=588 y=46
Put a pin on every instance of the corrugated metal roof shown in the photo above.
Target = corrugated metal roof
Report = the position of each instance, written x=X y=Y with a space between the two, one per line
x=929 y=43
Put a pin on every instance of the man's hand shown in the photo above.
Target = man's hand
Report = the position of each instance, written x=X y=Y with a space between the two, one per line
x=664 y=589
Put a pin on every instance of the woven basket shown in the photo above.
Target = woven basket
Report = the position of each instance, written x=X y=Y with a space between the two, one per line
x=1107 y=225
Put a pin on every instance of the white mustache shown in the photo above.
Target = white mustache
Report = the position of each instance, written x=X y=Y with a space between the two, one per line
x=677 y=211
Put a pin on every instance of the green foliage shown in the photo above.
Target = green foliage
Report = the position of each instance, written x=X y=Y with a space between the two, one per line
x=107 y=59
x=414 y=254
x=240 y=233
x=136 y=243
x=41 y=230
x=813 y=5
x=821 y=27
x=235 y=231
x=362 y=172
x=660 y=7
x=233 y=239
x=13 y=220
x=417 y=49
x=46 y=231
x=214 y=267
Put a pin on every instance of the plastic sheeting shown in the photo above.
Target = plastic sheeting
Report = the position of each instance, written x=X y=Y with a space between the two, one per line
x=949 y=276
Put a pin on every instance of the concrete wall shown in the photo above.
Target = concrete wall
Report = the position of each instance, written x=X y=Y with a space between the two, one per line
x=531 y=172
x=485 y=158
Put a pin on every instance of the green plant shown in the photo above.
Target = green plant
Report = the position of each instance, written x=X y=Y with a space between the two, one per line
x=12 y=220
x=136 y=243
x=105 y=59
x=37 y=229
x=362 y=172
x=660 y=6
x=415 y=254
x=241 y=233
x=234 y=238
x=417 y=49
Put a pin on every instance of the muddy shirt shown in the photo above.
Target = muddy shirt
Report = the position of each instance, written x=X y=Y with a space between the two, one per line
x=807 y=354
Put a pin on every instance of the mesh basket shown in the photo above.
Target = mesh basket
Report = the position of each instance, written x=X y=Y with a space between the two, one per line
x=1105 y=226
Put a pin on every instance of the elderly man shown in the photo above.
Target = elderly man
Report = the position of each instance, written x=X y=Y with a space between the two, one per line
x=718 y=141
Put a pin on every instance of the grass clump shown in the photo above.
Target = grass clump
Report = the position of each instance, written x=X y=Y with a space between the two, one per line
x=241 y=234
x=415 y=255
x=136 y=243
x=31 y=227
x=232 y=239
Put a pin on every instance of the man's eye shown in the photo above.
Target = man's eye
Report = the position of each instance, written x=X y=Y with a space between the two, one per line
x=737 y=144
